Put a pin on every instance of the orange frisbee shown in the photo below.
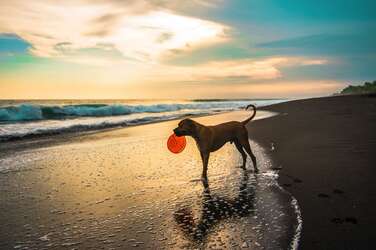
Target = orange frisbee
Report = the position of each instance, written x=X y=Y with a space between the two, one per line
x=176 y=144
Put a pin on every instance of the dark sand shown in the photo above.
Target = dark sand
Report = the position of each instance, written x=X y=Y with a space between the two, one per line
x=326 y=148
x=122 y=189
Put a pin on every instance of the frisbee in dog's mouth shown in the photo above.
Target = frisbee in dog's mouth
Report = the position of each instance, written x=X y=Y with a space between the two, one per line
x=176 y=144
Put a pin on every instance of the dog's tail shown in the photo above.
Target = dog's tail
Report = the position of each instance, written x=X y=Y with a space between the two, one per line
x=253 y=115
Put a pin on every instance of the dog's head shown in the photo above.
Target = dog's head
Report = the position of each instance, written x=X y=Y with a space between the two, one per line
x=186 y=127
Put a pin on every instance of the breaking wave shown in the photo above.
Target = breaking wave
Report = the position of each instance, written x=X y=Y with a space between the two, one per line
x=28 y=112
x=32 y=119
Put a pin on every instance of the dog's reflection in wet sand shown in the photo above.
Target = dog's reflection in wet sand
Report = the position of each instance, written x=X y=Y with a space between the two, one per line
x=214 y=209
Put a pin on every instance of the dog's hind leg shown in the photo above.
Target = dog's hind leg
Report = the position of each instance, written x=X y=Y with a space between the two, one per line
x=244 y=155
x=245 y=144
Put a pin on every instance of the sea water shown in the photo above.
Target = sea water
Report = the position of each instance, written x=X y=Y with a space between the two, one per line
x=23 y=118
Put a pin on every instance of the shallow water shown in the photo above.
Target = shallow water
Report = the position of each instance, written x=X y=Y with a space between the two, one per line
x=125 y=190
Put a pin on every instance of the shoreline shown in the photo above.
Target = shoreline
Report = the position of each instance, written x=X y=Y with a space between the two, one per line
x=324 y=151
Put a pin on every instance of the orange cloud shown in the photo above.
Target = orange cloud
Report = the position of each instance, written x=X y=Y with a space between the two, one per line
x=243 y=69
x=54 y=28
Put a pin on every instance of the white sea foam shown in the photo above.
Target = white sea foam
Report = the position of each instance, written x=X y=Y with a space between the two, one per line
x=272 y=180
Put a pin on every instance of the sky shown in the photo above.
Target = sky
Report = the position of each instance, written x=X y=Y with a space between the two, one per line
x=183 y=49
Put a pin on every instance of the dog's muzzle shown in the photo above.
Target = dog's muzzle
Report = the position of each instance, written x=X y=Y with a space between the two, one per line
x=178 y=132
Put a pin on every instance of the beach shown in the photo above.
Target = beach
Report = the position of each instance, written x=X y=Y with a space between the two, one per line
x=94 y=96
x=122 y=189
x=325 y=148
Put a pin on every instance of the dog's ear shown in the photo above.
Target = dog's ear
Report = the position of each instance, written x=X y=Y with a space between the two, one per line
x=185 y=123
x=182 y=123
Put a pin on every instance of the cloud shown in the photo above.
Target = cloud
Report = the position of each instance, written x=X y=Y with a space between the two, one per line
x=241 y=70
x=142 y=6
x=261 y=89
x=141 y=30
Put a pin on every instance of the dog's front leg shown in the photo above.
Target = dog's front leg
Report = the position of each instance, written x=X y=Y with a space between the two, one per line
x=205 y=161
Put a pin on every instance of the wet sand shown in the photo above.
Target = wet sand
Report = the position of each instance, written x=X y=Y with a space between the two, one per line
x=326 y=149
x=122 y=189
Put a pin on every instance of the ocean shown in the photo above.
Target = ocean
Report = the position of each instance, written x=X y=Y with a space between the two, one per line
x=26 y=118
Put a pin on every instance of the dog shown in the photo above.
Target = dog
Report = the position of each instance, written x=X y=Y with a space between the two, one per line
x=212 y=138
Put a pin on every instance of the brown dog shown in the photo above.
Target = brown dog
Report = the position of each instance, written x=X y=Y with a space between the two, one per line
x=212 y=138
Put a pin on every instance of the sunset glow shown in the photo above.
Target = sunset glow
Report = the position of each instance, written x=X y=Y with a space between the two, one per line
x=139 y=49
